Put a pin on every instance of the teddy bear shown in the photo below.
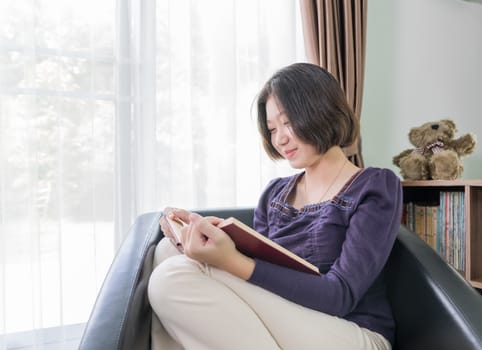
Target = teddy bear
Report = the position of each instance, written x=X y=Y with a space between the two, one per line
x=437 y=155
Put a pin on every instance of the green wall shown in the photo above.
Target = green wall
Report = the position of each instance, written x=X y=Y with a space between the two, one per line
x=423 y=63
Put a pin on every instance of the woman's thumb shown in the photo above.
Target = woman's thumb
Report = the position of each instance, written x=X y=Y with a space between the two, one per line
x=194 y=217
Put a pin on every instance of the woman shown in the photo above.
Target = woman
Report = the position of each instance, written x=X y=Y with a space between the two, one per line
x=339 y=217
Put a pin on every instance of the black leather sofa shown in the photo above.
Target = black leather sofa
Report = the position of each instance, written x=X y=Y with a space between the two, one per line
x=435 y=308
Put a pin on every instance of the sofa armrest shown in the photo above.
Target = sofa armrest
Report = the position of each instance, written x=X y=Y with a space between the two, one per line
x=434 y=307
x=121 y=315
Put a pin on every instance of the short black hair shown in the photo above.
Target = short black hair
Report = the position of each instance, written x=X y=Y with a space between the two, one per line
x=315 y=105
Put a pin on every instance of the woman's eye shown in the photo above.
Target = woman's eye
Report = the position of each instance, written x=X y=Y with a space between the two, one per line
x=271 y=131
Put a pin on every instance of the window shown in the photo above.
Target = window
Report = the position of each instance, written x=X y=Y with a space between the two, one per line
x=57 y=113
x=110 y=109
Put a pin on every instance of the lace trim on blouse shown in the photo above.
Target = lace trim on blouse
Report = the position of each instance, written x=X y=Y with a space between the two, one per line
x=280 y=202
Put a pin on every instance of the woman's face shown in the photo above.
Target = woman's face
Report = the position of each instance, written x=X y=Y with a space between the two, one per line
x=299 y=154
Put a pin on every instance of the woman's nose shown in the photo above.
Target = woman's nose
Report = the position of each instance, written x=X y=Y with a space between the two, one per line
x=282 y=136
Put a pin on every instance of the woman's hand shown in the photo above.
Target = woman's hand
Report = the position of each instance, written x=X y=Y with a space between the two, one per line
x=205 y=242
x=166 y=228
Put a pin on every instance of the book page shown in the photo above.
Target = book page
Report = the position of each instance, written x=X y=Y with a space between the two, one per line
x=176 y=225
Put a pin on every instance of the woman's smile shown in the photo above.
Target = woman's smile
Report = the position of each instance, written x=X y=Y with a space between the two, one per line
x=290 y=153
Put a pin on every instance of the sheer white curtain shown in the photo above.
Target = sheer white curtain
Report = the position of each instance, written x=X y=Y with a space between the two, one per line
x=112 y=108
x=192 y=70
x=57 y=105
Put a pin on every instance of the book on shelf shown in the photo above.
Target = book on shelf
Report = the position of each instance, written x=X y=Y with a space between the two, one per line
x=441 y=225
x=254 y=245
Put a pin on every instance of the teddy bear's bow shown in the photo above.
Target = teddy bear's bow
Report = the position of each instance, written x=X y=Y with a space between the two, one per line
x=431 y=148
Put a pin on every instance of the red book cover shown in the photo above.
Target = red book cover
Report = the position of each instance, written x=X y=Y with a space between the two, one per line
x=255 y=245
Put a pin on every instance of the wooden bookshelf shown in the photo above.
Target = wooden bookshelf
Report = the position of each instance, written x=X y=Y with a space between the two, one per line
x=428 y=193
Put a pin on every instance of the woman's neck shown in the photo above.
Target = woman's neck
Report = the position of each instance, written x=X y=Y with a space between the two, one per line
x=324 y=179
x=326 y=166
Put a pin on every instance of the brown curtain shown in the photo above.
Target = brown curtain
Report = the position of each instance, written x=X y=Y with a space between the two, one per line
x=335 y=35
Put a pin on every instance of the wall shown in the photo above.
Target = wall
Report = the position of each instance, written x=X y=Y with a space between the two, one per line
x=423 y=63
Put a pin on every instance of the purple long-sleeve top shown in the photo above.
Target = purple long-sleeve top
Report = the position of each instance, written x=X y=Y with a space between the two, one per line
x=349 y=238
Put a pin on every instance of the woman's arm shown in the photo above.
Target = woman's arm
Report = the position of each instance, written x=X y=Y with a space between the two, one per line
x=369 y=238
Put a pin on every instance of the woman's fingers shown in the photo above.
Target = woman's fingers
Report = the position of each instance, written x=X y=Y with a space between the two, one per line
x=171 y=214
x=165 y=227
x=181 y=214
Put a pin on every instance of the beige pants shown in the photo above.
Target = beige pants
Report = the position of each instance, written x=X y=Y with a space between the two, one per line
x=201 y=307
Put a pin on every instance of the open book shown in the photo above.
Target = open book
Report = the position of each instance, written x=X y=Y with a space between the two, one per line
x=255 y=245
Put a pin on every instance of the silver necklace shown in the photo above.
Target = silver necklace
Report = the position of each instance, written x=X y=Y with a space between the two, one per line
x=331 y=184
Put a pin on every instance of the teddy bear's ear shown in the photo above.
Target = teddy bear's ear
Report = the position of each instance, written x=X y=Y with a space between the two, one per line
x=413 y=133
x=450 y=123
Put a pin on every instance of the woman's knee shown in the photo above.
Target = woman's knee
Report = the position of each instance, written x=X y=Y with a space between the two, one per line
x=164 y=249
x=169 y=279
